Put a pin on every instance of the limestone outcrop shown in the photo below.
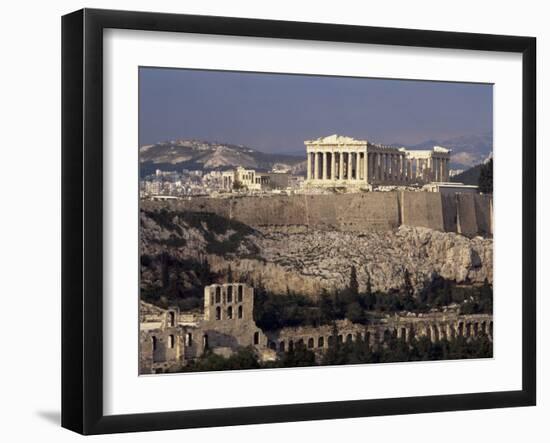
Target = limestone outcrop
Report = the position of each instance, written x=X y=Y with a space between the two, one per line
x=306 y=262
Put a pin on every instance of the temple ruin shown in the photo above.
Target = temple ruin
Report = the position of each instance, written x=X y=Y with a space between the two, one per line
x=337 y=160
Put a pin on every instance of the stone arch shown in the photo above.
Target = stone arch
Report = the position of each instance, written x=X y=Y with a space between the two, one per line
x=310 y=342
x=240 y=293
x=282 y=346
x=218 y=294
x=230 y=312
x=171 y=318
x=349 y=338
x=230 y=294
x=321 y=342
x=218 y=313
x=436 y=333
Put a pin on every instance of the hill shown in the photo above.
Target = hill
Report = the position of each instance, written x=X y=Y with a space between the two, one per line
x=202 y=155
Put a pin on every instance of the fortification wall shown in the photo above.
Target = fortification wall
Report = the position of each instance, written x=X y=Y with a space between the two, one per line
x=423 y=209
x=468 y=214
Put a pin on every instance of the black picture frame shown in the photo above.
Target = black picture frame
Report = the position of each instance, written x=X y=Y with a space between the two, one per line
x=82 y=218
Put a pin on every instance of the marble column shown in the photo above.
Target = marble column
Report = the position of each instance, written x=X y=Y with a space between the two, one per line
x=348 y=173
x=316 y=167
x=366 y=167
x=324 y=157
x=332 y=166
x=358 y=165
x=340 y=165
x=309 y=166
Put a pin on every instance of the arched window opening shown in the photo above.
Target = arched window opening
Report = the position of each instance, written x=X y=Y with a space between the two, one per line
x=321 y=342
x=218 y=294
x=340 y=339
x=349 y=338
x=189 y=339
x=229 y=294
x=205 y=341
x=171 y=319
x=229 y=312
x=154 y=341
x=282 y=346
x=171 y=341
x=218 y=313
x=240 y=312
x=240 y=293
x=256 y=338
x=291 y=345
x=310 y=343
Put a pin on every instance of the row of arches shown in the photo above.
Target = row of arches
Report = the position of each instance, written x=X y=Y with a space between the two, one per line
x=231 y=292
x=374 y=336
x=228 y=313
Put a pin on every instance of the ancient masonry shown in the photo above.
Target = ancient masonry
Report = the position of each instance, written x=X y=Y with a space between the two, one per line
x=464 y=213
x=170 y=339
x=343 y=161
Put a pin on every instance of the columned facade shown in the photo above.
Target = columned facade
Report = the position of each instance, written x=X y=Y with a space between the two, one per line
x=343 y=161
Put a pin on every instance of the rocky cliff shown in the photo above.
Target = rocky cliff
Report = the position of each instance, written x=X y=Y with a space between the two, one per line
x=307 y=262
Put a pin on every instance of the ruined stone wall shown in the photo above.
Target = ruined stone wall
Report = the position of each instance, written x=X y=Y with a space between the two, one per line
x=175 y=346
x=468 y=214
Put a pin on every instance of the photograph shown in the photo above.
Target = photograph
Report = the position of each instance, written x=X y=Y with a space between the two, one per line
x=293 y=220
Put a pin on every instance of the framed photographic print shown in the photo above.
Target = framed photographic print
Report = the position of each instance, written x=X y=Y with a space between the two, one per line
x=269 y=221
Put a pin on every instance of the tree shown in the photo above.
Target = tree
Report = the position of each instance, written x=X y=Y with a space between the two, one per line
x=353 y=284
x=355 y=313
x=370 y=297
x=485 y=182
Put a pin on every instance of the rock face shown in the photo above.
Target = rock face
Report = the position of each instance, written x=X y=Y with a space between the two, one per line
x=307 y=262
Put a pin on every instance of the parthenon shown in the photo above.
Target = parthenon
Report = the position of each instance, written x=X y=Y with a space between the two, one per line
x=343 y=161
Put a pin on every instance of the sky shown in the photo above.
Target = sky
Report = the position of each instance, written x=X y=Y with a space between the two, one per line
x=277 y=112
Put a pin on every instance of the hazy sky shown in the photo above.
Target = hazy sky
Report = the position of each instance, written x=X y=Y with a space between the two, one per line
x=277 y=112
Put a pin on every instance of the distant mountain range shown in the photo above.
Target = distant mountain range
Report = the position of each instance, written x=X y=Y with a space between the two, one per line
x=202 y=155
x=467 y=151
